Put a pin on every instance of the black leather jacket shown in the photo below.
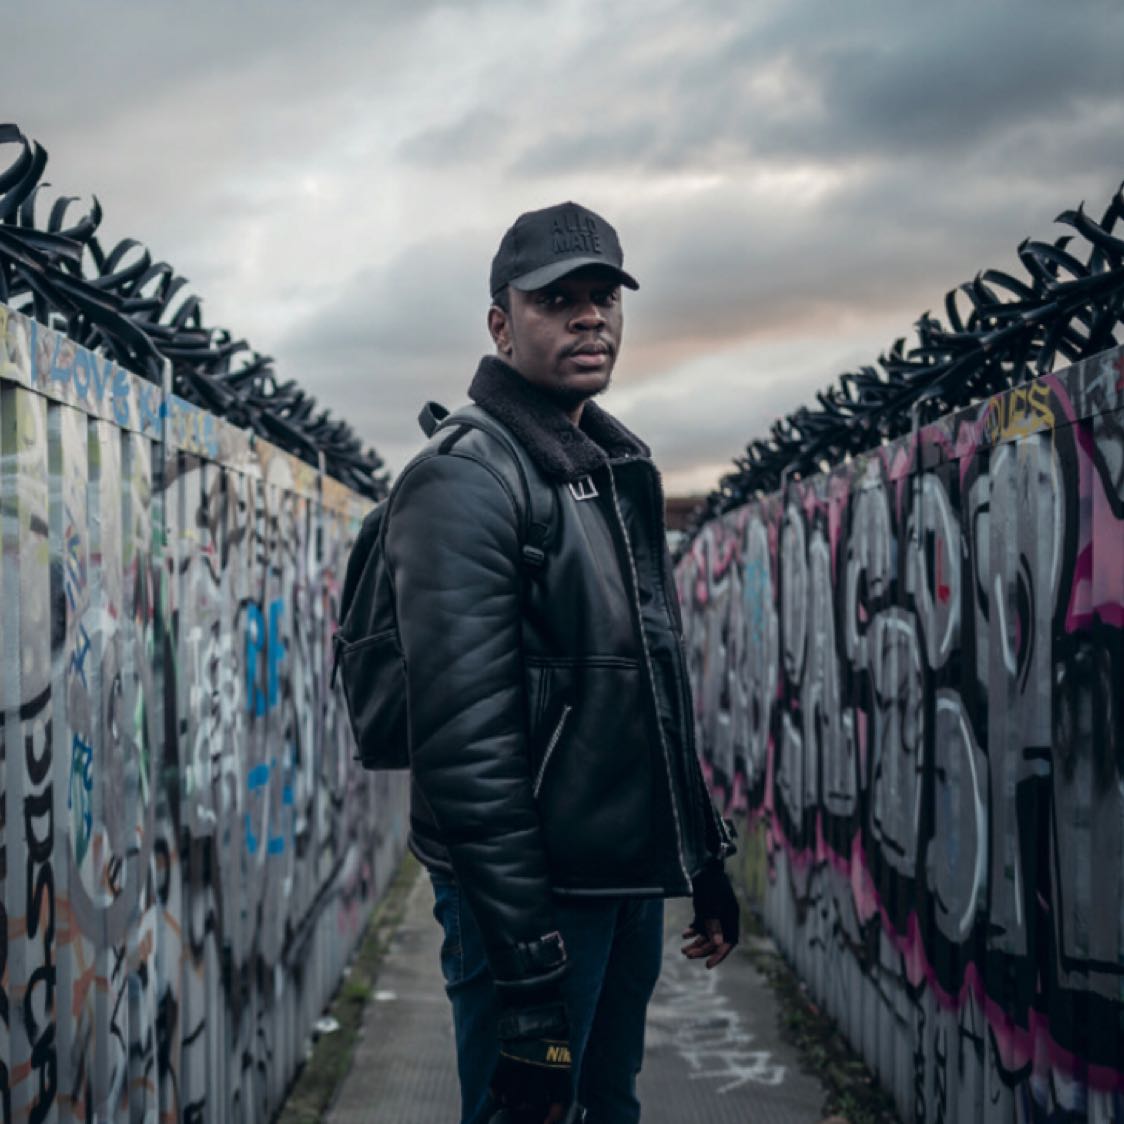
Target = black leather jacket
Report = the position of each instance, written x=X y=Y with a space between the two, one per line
x=551 y=733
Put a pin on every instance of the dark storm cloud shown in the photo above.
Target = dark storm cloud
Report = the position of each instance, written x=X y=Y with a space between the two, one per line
x=944 y=78
x=851 y=81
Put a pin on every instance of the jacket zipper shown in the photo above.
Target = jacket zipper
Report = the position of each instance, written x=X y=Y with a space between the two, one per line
x=651 y=676
x=554 y=738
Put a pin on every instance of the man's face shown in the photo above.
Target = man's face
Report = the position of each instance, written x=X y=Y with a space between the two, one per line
x=564 y=338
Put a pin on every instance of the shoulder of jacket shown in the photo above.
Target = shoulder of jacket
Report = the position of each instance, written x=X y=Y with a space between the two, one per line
x=448 y=450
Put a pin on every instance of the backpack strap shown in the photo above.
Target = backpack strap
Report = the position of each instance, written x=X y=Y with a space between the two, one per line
x=539 y=499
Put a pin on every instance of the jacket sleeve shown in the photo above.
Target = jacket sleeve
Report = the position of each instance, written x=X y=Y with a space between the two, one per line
x=453 y=548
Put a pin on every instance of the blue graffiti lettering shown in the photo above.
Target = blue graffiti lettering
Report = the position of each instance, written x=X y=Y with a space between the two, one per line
x=261 y=639
x=194 y=428
x=152 y=409
x=81 y=766
x=75 y=579
x=210 y=437
x=58 y=374
x=81 y=771
x=81 y=363
x=98 y=378
x=78 y=658
x=87 y=370
x=258 y=778
x=121 y=396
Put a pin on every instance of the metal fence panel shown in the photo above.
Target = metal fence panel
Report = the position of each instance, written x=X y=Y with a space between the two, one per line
x=188 y=852
x=909 y=680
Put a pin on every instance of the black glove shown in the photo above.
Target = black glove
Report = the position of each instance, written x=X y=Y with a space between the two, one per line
x=533 y=1072
x=714 y=902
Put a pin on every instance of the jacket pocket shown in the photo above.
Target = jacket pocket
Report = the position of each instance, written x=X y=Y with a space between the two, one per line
x=538 y=682
x=603 y=800
x=551 y=746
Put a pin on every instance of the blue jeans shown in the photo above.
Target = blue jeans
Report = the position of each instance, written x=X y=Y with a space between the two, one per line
x=614 y=948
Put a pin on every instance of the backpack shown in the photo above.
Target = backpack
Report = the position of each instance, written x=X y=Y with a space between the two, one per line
x=368 y=652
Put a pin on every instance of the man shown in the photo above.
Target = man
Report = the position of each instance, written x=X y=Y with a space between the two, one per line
x=557 y=798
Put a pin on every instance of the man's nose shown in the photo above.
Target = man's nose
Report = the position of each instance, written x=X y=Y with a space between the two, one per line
x=587 y=317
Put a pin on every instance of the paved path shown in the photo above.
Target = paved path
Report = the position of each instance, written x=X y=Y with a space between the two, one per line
x=713 y=1055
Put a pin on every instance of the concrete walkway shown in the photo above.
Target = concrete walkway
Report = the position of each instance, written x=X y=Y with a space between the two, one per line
x=713 y=1057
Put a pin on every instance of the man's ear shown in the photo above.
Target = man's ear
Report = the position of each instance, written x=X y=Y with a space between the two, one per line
x=500 y=329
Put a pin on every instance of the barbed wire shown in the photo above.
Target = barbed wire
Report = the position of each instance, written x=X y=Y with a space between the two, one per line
x=126 y=305
x=1001 y=330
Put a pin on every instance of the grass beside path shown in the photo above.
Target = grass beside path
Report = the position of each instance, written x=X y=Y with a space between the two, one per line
x=315 y=1086
x=853 y=1093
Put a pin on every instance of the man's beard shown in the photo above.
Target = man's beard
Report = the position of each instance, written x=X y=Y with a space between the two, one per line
x=568 y=399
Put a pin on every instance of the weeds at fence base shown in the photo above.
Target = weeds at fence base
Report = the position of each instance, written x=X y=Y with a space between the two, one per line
x=853 y=1093
x=318 y=1080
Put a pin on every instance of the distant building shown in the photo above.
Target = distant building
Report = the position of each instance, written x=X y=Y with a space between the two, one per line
x=677 y=512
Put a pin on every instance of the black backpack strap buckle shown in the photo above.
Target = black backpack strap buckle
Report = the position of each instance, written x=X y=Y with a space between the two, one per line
x=583 y=488
x=431 y=416
x=533 y=556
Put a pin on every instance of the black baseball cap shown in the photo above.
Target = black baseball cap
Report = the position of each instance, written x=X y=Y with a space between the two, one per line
x=541 y=246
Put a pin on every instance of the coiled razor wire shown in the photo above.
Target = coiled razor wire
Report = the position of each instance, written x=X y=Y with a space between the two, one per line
x=1001 y=330
x=125 y=305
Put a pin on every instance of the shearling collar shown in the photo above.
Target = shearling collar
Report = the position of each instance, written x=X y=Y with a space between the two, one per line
x=561 y=449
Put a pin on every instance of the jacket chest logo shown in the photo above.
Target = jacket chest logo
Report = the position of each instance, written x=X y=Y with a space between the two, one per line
x=583 y=489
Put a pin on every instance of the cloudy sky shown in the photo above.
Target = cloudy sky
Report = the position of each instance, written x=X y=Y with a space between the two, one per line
x=793 y=181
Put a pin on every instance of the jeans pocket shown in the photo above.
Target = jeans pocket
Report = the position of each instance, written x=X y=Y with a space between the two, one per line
x=447 y=910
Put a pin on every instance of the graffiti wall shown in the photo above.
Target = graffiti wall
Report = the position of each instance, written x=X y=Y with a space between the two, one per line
x=187 y=853
x=909 y=683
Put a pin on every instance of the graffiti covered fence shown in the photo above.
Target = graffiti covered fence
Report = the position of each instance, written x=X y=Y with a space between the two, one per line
x=187 y=853
x=909 y=677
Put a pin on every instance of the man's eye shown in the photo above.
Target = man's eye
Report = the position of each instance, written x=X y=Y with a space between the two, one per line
x=609 y=297
x=552 y=300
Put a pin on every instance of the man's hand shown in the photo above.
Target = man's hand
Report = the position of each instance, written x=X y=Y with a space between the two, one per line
x=715 y=927
x=532 y=1080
